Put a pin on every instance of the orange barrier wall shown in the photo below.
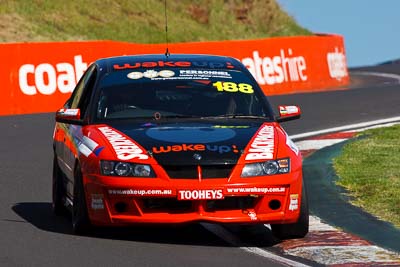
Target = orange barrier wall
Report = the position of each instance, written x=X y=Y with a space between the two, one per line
x=39 y=77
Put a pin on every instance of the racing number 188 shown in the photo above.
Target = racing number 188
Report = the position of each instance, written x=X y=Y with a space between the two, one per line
x=234 y=87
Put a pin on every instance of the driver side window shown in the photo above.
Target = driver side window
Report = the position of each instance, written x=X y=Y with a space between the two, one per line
x=81 y=94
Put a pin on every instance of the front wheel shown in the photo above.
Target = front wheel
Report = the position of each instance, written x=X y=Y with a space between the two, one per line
x=298 y=229
x=80 y=218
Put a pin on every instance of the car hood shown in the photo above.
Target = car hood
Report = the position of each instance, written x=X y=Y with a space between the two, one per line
x=199 y=142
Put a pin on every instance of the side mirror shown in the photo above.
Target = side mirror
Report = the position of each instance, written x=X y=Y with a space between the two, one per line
x=69 y=115
x=288 y=113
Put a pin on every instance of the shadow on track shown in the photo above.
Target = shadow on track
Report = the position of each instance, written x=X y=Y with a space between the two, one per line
x=41 y=216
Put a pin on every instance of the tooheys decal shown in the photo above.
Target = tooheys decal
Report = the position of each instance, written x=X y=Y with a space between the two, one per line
x=200 y=194
x=125 y=148
x=263 y=145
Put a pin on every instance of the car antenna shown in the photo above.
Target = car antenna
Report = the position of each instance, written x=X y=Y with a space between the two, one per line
x=166 y=28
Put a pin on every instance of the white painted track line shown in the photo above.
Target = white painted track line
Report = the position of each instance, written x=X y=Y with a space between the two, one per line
x=317 y=144
x=345 y=128
x=378 y=74
x=316 y=225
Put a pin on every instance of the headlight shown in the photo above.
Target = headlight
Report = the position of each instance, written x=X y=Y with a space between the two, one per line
x=115 y=168
x=142 y=170
x=122 y=169
x=270 y=167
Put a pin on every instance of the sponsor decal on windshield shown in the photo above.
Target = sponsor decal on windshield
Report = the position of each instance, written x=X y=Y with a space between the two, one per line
x=232 y=87
x=181 y=75
x=150 y=74
x=196 y=74
x=174 y=64
x=189 y=74
x=195 y=147
x=125 y=148
x=263 y=145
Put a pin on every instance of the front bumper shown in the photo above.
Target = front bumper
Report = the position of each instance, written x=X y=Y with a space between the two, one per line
x=124 y=201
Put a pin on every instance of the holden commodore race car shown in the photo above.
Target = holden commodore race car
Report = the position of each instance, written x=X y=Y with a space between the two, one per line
x=175 y=139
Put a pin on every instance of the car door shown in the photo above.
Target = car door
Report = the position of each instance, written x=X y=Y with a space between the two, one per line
x=71 y=134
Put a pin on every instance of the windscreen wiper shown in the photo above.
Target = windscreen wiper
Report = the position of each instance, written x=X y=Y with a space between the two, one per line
x=235 y=116
x=179 y=116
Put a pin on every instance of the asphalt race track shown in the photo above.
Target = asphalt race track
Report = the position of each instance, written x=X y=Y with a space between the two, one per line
x=32 y=236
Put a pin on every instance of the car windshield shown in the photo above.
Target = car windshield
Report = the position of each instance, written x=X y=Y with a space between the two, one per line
x=179 y=93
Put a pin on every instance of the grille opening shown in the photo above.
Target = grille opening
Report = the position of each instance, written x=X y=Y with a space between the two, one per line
x=274 y=204
x=231 y=203
x=191 y=172
x=168 y=205
x=216 y=171
x=187 y=172
x=120 y=207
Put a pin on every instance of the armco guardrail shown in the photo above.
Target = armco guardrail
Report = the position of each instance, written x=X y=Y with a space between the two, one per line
x=39 y=77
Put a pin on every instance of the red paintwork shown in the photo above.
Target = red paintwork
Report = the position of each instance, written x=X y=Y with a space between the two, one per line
x=98 y=188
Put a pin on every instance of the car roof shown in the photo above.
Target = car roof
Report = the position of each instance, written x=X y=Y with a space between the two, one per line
x=193 y=61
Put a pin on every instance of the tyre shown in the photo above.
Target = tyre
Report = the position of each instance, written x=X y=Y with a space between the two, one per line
x=298 y=229
x=58 y=191
x=80 y=218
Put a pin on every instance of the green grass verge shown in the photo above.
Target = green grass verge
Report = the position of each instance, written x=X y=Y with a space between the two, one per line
x=143 y=21
x=369 y=168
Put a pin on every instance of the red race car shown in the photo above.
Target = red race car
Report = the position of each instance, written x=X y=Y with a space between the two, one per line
x=183 y=138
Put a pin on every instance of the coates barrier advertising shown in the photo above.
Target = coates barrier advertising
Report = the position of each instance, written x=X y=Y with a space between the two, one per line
x=39 y=77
